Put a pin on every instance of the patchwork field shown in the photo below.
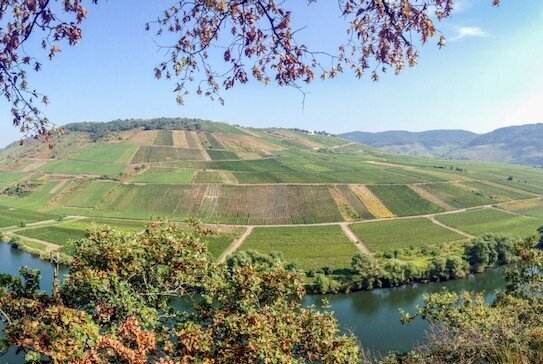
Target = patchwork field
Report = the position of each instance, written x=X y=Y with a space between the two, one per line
x=232 y=175
x=309 y=247
x=405 y=233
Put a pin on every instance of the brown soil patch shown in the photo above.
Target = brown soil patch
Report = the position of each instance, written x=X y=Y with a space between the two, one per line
x=430 y=197
x=372 y=202
x=143 y=137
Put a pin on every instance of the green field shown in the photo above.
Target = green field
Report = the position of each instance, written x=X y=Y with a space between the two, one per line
x=457 y=196
x=119 y=153
x=245 y=176
x=309 y=247
x=13 y=217
x=404 y=233
x=159 y=154
x=529 y=208
x=84 y=167
x=482 y=221
x=218 y=242
x=164 y=175
x=7 y=178
x=403 y=201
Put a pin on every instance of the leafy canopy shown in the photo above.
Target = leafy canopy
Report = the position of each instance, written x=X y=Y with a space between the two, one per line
x=257 y=40
x=117 y=305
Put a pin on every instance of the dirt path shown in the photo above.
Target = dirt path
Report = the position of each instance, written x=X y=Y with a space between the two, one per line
x=236 y=244
x=360 y=245
x=435 y=221
x=43 y=223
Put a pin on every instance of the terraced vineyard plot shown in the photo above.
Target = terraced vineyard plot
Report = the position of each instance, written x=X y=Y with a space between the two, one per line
x=262 y=205
x=192 y=140
x=530 y=185
x=310 y=247
x=164 y=137
x=482 y=221
x=164 y=175
x=496 y=193
x=403 y=201
x=247 y=145
x=456 y=196
x=179 y=139
x=143 y=201
x=84 y=167
x=35 y=200
x=213 y=142
x=12 y=217
x=208 y=177
x=107 y=153
x=404 y=233
x=63 y=233
x=349 y=204
x=221 y=154
x=264 y=165
x=527 y=207
x=155 y=154
x=9 y=178
x=374 y=206
x=86 y=194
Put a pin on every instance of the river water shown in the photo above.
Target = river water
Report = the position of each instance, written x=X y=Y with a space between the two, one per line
x=373 y=316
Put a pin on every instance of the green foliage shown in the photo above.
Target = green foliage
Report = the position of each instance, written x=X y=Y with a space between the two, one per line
x=116 y=306
x=20 y=189
x=466 y=329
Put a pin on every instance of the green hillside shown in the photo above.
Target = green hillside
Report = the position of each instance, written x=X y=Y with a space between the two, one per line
x=136 y=170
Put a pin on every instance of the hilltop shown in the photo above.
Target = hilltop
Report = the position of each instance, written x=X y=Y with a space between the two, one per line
x=514 y=144
x=331 y=197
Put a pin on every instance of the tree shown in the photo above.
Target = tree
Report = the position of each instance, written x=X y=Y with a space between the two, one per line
x=368 y=272
x=467 y=329
x=117 y=306
x=256 y=37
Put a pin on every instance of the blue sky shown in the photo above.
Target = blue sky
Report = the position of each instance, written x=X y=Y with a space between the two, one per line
x=490 y=75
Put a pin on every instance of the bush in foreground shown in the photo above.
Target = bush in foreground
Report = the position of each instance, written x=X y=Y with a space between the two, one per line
x=116 y=307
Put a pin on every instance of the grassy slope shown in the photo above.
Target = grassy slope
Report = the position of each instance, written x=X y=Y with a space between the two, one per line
x=397 y=234
x=482 y=221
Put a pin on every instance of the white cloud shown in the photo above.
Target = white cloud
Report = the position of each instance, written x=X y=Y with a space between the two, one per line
x=468 y=32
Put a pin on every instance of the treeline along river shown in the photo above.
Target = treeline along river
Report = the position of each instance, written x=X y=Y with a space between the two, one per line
x=373 y=316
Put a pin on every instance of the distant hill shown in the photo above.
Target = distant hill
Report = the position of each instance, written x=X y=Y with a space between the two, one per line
x=515 y=144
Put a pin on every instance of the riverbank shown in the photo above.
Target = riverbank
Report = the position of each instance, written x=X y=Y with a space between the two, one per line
x=373 y=316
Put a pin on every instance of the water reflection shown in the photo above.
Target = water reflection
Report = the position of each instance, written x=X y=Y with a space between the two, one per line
x=372 y=316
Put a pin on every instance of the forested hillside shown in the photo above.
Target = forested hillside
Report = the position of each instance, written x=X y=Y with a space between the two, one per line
x=515 y=144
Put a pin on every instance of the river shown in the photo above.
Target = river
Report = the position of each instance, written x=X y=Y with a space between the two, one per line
x=373 y=316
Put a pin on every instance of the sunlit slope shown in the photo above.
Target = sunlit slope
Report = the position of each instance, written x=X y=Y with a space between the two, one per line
x=219 y=173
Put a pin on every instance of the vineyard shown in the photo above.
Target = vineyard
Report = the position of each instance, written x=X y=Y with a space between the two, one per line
x=406 y=233
x=483 y=221
x=309 y=247
x=236 y=177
